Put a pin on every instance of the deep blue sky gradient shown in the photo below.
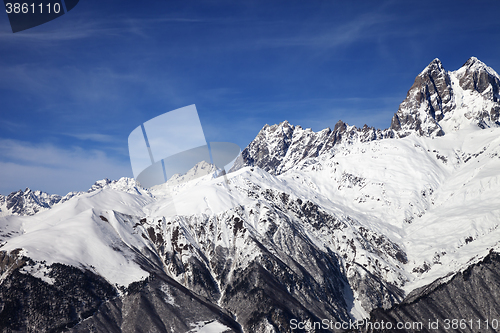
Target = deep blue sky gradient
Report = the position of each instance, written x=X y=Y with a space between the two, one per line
x=73 y=89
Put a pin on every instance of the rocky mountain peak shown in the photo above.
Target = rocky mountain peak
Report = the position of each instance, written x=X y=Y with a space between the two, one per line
x=474 y=64
x=426 y=103
x=473 y=61
x=268 y=148
x=477 y=76
x=100 y=184
x=434 y=67
x=439 y=100
x=27 y=202
x=480 y=97
x=340 y=127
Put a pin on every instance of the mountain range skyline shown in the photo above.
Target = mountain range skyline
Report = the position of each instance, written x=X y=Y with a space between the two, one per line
x=411 y=123
x=74 y=88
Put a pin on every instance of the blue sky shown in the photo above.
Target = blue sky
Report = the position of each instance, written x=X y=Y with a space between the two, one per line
x=73 y=89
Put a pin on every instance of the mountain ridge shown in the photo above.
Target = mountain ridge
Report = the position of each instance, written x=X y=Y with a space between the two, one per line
x=429 y=104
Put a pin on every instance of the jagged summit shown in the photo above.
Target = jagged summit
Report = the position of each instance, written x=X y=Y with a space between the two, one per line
x=27 y=202
x=477 y=76
x=440 y=101
x=434 y=65
x=473 y=61
x=474 y=64
x=279 y=147
x=426 y=103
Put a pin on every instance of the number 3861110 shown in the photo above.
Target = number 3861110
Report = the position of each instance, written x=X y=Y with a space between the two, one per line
x=25 y=8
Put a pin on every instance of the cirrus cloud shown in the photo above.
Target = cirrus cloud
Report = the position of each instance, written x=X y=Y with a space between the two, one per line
x=53 y=169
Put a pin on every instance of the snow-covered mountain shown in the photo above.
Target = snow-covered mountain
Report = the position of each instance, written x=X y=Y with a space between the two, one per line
x=440 y=102
x=343 y=224
x=29 y=202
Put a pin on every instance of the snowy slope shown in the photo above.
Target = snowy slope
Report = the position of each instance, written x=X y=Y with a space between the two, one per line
x=83 y=232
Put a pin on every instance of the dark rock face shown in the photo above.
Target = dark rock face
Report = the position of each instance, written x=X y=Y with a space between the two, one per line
x=80 y=301
x=479 y=78
x=11 y=261
x=476 y=76
x=277 y=306
x=431 y=91
x=277 y=138
x=29 y=304
x=376 y=292
x=472 y=295
x=159 y=304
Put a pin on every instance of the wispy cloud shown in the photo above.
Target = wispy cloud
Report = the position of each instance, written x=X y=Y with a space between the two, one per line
x=11 y=126
x=53 y=169
x=339 y=35
x=96 y=137
x=89 y=25
x=77 y=30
